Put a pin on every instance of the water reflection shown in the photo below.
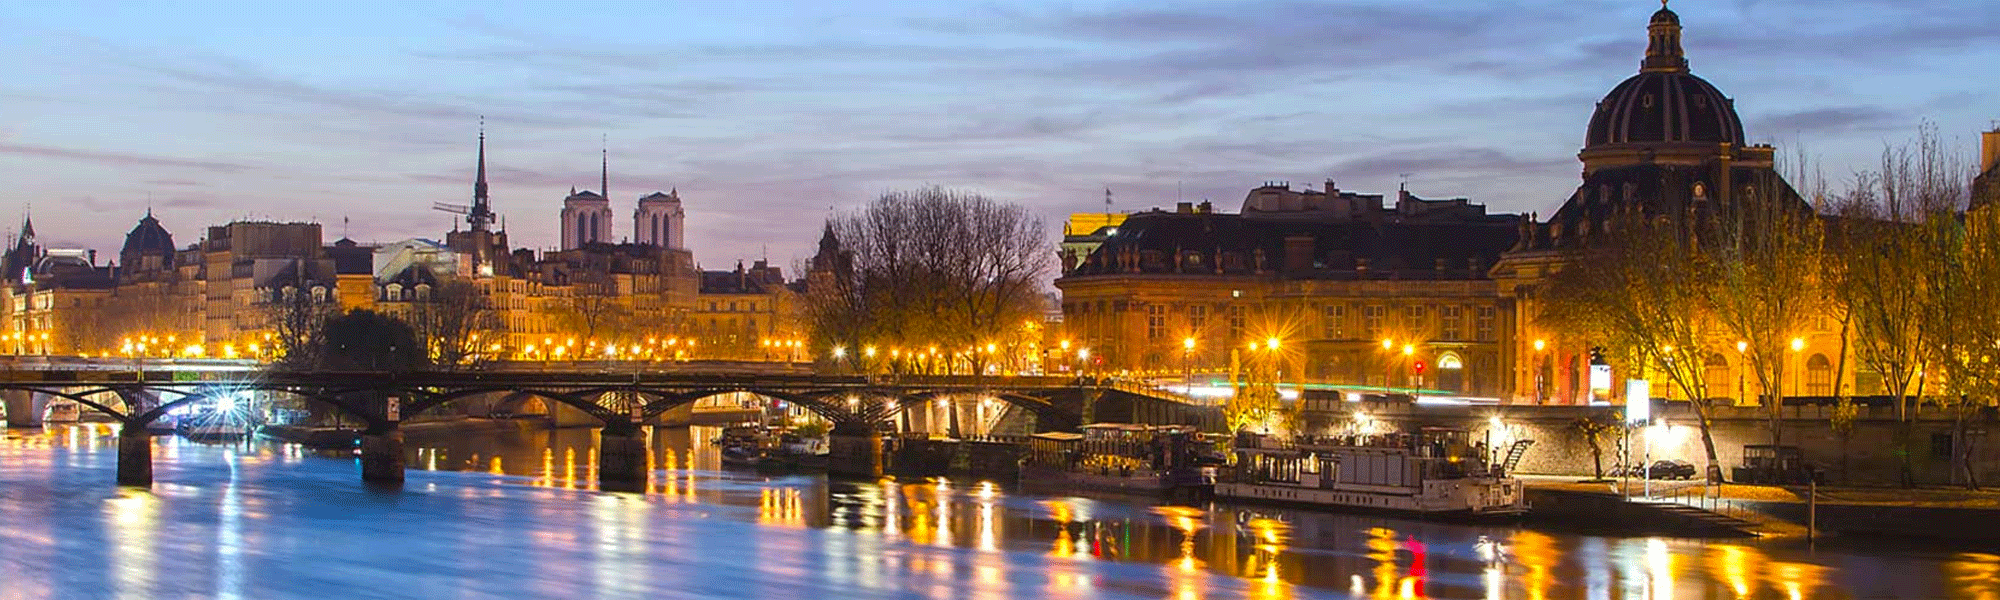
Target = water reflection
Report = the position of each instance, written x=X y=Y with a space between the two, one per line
x=516 y=514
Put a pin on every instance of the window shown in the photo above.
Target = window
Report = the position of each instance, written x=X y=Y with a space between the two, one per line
x=1819 y=376
x=1333 y=319
x=1484 y=324
x=1197 y=318
x=1371 y=320
x=1413 y=320
x=1156 y=321
x=1451 y=322
x=1236 y=322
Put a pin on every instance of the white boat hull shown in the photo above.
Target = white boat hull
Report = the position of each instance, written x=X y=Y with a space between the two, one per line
x=1470 y=496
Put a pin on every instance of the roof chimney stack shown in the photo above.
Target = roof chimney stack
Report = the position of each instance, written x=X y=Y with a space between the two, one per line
x=1989 y=149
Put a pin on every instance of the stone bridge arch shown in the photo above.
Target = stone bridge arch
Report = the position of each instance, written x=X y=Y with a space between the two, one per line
x=818 y=402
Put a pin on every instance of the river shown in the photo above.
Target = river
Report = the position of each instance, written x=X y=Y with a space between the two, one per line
x=513 y=515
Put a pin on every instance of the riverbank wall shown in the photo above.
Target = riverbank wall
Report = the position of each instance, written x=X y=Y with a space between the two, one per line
x=1880 y=520
x=1866 y=456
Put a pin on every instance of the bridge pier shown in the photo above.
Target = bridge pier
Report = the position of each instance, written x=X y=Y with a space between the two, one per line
x=854 y=454
x=22 y=409
x=135 y=456
x=382 y=455
x=622 y=455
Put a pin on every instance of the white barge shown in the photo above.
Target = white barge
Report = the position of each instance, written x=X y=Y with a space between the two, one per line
x=1434 y=472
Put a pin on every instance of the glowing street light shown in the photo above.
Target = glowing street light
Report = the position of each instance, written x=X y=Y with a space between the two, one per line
x=1798 y=344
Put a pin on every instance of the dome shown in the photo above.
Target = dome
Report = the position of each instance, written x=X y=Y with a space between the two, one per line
x=1664 y=103
x=1664 y=107
x=147 y=238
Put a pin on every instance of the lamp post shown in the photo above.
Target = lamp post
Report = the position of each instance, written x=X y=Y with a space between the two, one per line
x=1187 y=364
x=1798 y=346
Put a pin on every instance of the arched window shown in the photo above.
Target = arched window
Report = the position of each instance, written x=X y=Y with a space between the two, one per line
x=393 y=292
x=582 y=229
x=1819 y=376
x=423 y=291
x=1715 y=375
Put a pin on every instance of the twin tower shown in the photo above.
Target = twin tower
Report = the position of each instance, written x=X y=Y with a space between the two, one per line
x=586 y=217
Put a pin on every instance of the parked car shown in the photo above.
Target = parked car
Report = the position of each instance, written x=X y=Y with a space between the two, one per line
x=1673 y=469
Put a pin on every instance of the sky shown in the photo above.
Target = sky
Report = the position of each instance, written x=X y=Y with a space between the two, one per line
x=768 y=115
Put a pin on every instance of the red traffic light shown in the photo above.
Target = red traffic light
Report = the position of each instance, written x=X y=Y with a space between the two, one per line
x=1420 y=367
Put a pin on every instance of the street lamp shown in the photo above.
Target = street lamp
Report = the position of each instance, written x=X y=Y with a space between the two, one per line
x=1798 y=345
x=1187 y=364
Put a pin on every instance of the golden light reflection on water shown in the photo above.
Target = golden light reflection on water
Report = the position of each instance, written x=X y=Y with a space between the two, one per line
x=134 y=520
x=1974 y=576
x=1537 y=555
x=1382 y=546
x=1200 y=553
x=1735 y=566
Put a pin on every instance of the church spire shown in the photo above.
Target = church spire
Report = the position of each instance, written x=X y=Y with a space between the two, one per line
x=481 y=213
x=604 y=155
x=1663 y=46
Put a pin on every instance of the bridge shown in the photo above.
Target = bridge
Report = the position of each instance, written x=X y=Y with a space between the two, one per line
x=621 y=403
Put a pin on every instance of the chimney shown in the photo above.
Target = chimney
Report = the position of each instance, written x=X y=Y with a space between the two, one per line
x=1989 y=150
x=1205 y=207
x=1185 y=208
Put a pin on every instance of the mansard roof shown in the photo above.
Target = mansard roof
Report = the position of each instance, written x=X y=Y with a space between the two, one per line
x=1219 y=244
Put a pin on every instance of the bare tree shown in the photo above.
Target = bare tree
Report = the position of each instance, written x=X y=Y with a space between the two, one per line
x=593 y=308
x=929 y=268
x=1765 y=242
x=449 y=321
x=1893 y=236
x=298 y=326
x=1645 y=294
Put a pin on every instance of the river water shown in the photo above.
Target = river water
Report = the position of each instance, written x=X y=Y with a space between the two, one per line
x=513 y=515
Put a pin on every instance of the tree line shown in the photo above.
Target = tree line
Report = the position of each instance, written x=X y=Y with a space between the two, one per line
x=1902 y=271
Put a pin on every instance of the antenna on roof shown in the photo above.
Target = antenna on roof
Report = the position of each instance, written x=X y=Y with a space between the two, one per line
x=1405 y=185
x=1107 y=200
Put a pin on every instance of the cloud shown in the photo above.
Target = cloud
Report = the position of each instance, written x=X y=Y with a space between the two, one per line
x=1829 y=119
x=121 y=159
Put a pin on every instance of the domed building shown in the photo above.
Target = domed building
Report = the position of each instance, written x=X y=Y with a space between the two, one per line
x=148 y=247
x=1663 y=141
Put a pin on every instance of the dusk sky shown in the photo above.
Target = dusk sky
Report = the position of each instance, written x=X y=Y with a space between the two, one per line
x=765 y=114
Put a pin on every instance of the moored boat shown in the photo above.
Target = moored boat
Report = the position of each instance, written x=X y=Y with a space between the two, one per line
x=1433 y=472
x=1149 y=460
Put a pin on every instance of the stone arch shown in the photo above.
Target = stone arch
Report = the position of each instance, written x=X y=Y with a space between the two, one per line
x=1045 y=412
x=83 y=398
x=1819 y=376
x=187 y=397
x=1715 y=375
x=573 y=398
x=666 y=400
